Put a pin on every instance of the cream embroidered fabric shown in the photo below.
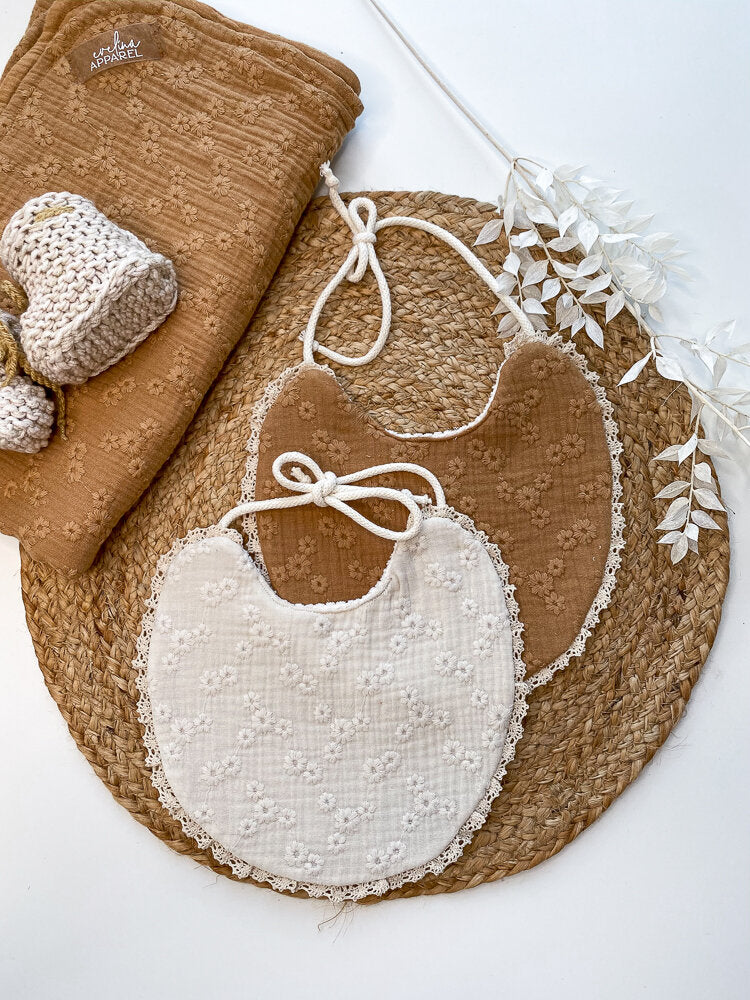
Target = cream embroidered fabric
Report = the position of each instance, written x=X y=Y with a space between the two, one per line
x=342 y=748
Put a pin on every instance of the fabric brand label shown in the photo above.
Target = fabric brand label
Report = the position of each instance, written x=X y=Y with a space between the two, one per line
x=130 y=44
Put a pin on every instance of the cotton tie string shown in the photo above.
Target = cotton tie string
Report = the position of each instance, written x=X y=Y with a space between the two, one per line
x=325 y=489
x=361 y=216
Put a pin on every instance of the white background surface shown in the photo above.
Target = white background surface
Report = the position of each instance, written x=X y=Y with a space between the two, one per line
x=652 y=901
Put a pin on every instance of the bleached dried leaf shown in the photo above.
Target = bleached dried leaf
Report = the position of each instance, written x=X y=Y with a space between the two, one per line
x=687 y=449
x=505 y=283
x=544 y=179
x=638 y=222
x=616 y=237
x=538 y=322
x=670 y=454
x=591 y=298
x=673 y=490
x=589 y=265
x=676 y=515
x=679 y=549
x=615 y=303
x=533 y=307
x=696 y=406
x=594 y=331
x=587 y=233
x=669 y=368
x=550 y=288
x=704 y=520
x=563 y=269
x=669 y=538
x=529 y=238
x=561 y=244
x=541 y=215
x=566 y=219
x=725 y=329
x=489 y=232
x=712 y=448
x=599 y=283
x=655 y=313
x=566 y=172
x=511 y=263
x=703 y=472
x=565 y=316
x=535 y=273
x=633 y=372
x=507 y=323
x=707 y=499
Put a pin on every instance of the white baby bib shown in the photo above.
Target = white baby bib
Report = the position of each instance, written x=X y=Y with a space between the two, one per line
x=346 y=748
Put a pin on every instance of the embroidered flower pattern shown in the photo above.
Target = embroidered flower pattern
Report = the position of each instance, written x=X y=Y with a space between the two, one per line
x=212 y=681
x=381 y=860
x=181 y=642
x=293 y=775
x=426 y=804
x=297 y=763
x=377 y=768
x=582 y=530
x=264 y=811
x=457 y=755
x=307 y=862
x=293 y=676
x=438 y=576
x=450 y=665
x=375 y=680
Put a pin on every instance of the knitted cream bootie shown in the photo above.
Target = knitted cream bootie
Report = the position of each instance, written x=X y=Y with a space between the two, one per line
x=95 y=291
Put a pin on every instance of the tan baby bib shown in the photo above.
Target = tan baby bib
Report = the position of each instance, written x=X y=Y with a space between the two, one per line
x=537 y=470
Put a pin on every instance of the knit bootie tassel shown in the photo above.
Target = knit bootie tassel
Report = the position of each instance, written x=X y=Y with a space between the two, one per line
x=95 y=291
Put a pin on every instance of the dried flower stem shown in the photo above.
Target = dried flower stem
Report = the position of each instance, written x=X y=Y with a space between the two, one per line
x=618 y=267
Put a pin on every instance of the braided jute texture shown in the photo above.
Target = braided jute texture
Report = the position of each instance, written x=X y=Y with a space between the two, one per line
x=592 y=729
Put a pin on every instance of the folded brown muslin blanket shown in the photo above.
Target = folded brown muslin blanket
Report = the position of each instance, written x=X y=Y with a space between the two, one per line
x=202 y=136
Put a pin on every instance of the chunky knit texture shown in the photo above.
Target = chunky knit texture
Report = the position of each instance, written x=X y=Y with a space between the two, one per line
x=95 y=290
x=26 y=416
x=27 y=413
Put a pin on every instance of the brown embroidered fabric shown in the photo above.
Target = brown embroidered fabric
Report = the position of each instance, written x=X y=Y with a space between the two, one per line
x=534 y=473
x=210 y=155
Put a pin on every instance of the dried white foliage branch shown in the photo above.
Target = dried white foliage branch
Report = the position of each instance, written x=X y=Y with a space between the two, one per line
x=623 y=266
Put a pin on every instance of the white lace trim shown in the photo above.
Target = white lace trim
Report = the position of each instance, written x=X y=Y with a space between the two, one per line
x=617 y=540
x=617 y=533
x=336 y=893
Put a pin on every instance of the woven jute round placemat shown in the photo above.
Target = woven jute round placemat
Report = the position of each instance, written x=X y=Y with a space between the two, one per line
x=592 y=729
